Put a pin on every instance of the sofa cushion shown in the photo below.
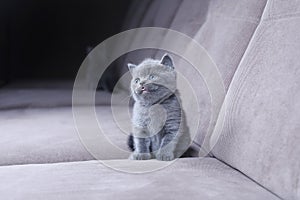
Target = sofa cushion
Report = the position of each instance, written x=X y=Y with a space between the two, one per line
x=260 y=135
x=46 y=135
x=191 y=178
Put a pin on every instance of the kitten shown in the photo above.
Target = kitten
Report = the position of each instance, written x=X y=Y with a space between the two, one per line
x=159 y=128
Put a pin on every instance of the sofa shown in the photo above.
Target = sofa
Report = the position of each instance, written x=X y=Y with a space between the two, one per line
x=255 y=46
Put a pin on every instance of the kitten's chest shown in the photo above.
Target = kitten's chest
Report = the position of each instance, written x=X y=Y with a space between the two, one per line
x=151 y=118
x=141 y=117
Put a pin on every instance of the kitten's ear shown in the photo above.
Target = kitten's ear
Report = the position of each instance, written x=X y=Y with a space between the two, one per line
x=167 y=61
x=131 y=67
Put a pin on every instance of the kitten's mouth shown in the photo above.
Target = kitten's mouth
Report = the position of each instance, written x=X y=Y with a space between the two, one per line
x=142 y=90
x=146 y=89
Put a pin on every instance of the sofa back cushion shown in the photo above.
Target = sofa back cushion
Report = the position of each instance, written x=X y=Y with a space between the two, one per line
x=260 y=135
x=225 y=35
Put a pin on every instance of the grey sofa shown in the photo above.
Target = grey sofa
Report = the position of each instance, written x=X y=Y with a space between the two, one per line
x=256 y=47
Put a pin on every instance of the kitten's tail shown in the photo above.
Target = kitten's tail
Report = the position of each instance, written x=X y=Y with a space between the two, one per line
x=130 y=142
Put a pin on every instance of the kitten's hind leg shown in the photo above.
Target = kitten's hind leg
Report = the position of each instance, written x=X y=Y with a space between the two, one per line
x=130 y=142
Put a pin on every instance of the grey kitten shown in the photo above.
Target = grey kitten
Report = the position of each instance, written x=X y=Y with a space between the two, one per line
x=159 y=128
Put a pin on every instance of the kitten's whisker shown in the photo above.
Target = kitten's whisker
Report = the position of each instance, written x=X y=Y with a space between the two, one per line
x=127 y=97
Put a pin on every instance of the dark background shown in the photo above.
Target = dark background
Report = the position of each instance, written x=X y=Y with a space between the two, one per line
x=48 y=39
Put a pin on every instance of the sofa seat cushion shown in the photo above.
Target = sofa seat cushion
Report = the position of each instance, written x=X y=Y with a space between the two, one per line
x=190 y=178
x=46 y=135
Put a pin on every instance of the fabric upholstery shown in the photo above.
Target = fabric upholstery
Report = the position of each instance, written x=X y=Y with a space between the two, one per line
x=260 y=136
x=46 y=135
x=186 y=178
x=225 y=35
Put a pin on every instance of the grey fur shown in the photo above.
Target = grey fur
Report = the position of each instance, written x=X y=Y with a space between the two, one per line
x=158 y=124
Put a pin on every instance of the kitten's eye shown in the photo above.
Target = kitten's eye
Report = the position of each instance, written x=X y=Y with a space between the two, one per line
x=137 y=80
x=151 y=77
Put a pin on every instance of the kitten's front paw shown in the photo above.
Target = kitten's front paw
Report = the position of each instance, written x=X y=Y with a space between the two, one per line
x=164 y=156
x=140 y=156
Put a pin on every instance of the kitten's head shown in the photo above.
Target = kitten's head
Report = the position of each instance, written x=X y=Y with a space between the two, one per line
x=153 y=80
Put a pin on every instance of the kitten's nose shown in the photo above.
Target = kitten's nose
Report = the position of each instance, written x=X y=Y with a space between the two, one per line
x=142 y=83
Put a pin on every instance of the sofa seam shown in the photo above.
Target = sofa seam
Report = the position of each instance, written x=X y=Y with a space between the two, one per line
x=254 y=181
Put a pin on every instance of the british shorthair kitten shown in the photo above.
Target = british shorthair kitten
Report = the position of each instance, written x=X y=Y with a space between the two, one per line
x=159 y=127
